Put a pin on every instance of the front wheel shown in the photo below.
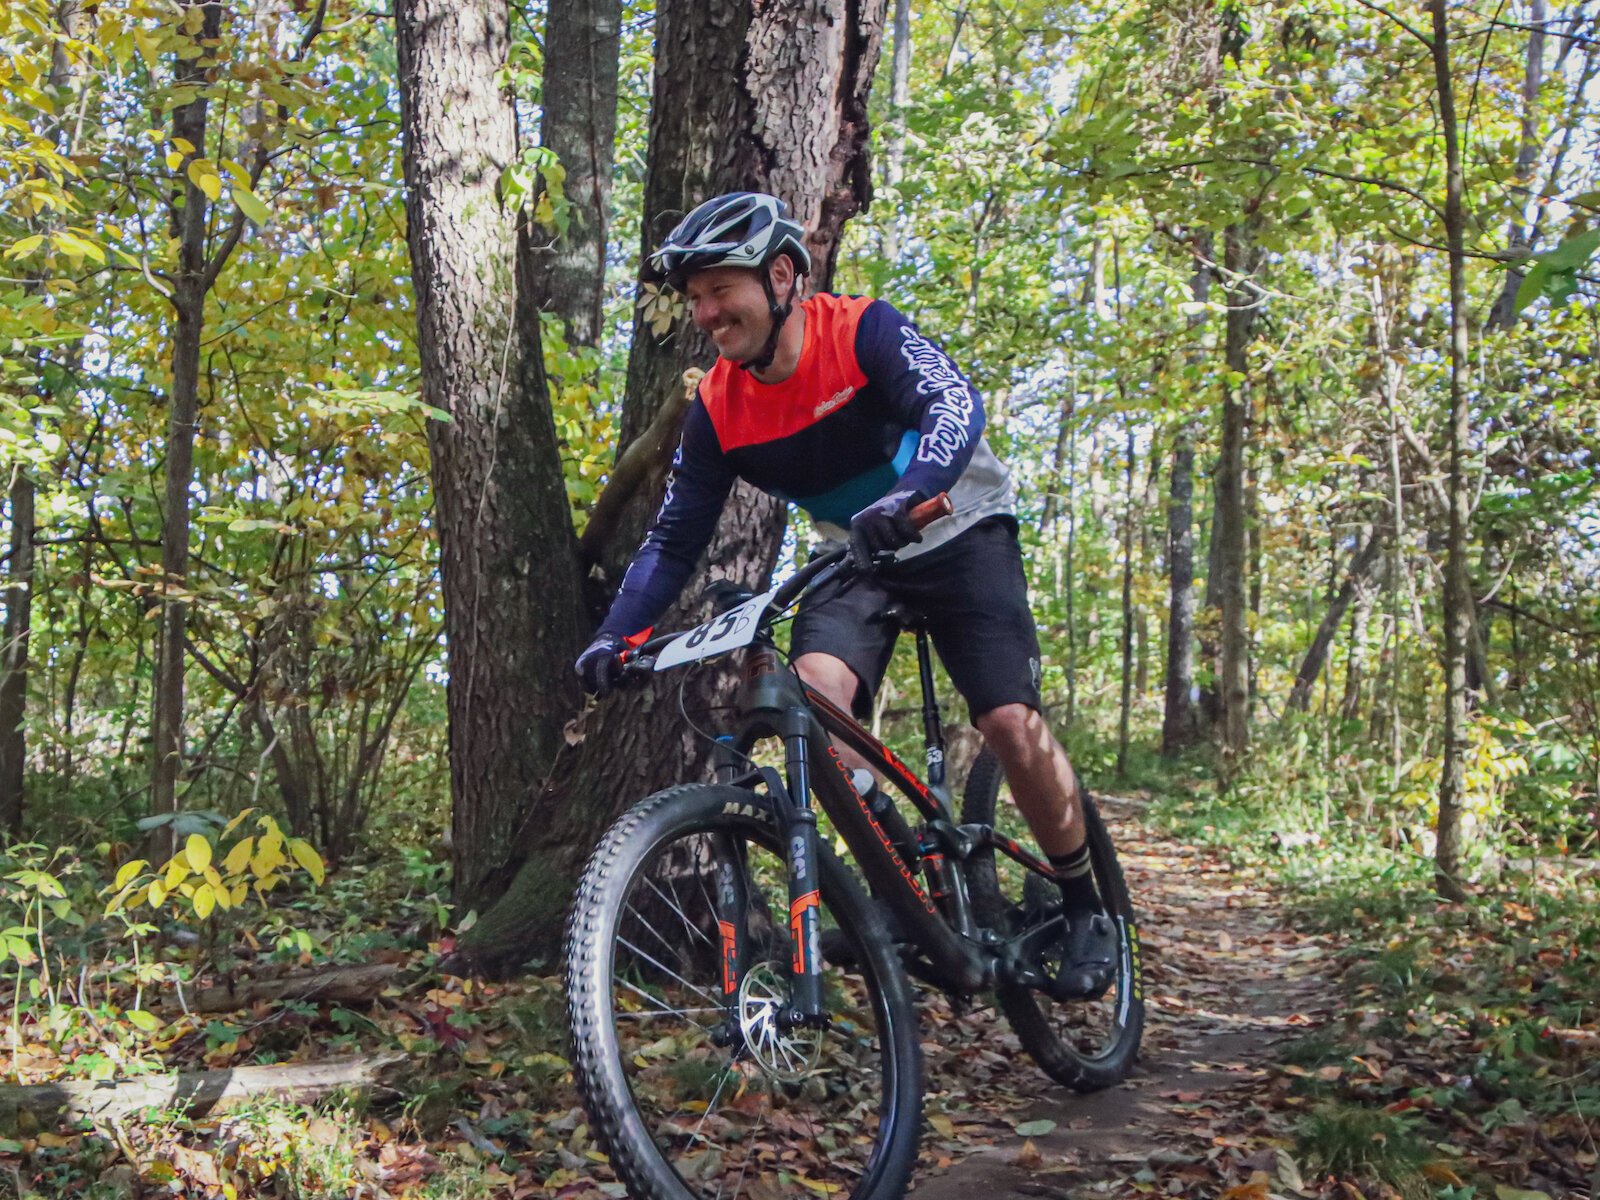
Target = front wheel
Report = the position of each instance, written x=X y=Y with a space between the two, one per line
x=1085 y=1044
x=678 y=968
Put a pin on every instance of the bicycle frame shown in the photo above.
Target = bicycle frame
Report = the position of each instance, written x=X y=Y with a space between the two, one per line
x=960 y=956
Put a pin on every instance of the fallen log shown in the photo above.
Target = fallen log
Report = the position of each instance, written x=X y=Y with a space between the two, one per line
x=342 y=985
x=26 y=1108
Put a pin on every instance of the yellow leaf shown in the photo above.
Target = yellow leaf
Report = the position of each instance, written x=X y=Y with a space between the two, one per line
x=238 y=857
x=174 y=160
x=204 y=177
x=240 y=891
x=308 y=858
x=204 y=900
x=158 y=893
x=183 y=144
x=198 y=851
x=234 y=824
x=127 y=872
x=26 y=246
x=221 y=895
x=212 y=877
x=177 y=872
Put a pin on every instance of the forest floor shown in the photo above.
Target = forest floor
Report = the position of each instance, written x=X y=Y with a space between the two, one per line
x=1318 y=1026
x=1228 y=983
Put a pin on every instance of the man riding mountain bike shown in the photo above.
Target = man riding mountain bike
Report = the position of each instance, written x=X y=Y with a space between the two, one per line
x=839 y=405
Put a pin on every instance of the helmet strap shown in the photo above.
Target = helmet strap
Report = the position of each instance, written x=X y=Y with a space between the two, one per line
x=779 y=314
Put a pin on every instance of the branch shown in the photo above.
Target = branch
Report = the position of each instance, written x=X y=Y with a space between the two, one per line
x=1411 y=29
x=643 y=457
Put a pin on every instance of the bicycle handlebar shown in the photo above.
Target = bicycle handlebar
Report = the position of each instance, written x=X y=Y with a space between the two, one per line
x=642 y=660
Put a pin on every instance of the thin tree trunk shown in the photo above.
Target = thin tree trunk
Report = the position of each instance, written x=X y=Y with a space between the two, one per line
x=1072 y=540
x=1228 y=522
x=895 y=134
x=1178 y=721
x=508 y=555
x=774 y=100
x=582 y=38
x=18 y=625
x=1457 y=586
x=1355 y=656
x=1179 y=724
x=189 y=287
x=1518 y=236
x=1361 y=568
x=14 y=653
x=1126 y=698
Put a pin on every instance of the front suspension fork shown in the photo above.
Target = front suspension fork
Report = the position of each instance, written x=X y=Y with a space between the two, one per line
x=805 y=879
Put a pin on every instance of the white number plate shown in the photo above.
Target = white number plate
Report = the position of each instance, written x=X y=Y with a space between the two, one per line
x=734 y=628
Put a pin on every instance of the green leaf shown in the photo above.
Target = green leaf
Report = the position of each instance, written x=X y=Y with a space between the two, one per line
x=1035 y=1128
x=1573 y=252
x=251 y=205
x=140 y=1019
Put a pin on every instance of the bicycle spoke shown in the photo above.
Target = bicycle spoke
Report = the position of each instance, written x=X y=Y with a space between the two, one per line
x=621 y=941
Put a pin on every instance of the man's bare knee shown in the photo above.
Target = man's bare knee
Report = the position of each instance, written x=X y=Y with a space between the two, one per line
x=829 y=675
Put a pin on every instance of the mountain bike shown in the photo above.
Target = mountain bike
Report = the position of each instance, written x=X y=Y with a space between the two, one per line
x=741 y=1017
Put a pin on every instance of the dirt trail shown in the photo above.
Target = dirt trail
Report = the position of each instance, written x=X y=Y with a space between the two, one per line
x=1226 y=981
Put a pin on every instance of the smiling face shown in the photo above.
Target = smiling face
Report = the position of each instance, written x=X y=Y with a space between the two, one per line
x=729 y=306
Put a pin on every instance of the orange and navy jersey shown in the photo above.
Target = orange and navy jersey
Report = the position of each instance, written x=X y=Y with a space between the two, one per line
x=872 y=407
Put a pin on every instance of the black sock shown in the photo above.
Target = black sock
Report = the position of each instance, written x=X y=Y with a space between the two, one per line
x=1075 y=876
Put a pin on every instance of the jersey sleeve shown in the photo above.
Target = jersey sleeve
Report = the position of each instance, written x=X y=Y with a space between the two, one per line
x=697 y=487
x=926 y=391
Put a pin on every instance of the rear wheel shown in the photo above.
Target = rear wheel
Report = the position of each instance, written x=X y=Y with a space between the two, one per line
x=695 y=1091
x=1085 y=1044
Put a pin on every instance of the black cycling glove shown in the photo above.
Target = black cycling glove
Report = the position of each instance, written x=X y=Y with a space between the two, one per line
x=884 y=526
x=600 y=666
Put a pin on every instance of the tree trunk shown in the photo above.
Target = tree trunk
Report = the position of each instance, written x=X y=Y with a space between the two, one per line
x=1355 y=657
x=18 y=625
x=508 y=555
x=14 y=653
x=895 y=139
x=1361 y=568
x=1518 y=236
x=1178 y=729
x=1458 y=600
x=580 y=124
x=773 y=100
x=189 y=287
x=1126 y=697
x=1228 y=523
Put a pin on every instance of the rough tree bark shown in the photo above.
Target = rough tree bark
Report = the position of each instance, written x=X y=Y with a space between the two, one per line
x=582 y=38
x=770 y=97
x=1458 y=599
x=508 y=554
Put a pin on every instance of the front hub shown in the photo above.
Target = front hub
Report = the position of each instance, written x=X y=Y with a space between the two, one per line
x=783 y=1051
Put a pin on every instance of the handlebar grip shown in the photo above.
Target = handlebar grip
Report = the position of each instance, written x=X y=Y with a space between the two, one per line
x=929 y=511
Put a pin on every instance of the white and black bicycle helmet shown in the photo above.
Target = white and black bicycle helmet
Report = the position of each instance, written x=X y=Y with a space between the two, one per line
x=739 y=229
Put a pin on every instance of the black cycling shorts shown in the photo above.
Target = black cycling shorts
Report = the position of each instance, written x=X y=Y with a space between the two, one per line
x=974 y=594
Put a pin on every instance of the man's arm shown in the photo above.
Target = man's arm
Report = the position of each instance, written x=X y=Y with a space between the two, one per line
x=926 y=390
x=696 y=490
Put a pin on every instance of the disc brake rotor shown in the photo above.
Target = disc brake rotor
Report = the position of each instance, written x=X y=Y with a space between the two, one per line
x=787 y=1055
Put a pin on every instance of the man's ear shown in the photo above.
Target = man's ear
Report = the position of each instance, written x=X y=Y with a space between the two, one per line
x=781 y=273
